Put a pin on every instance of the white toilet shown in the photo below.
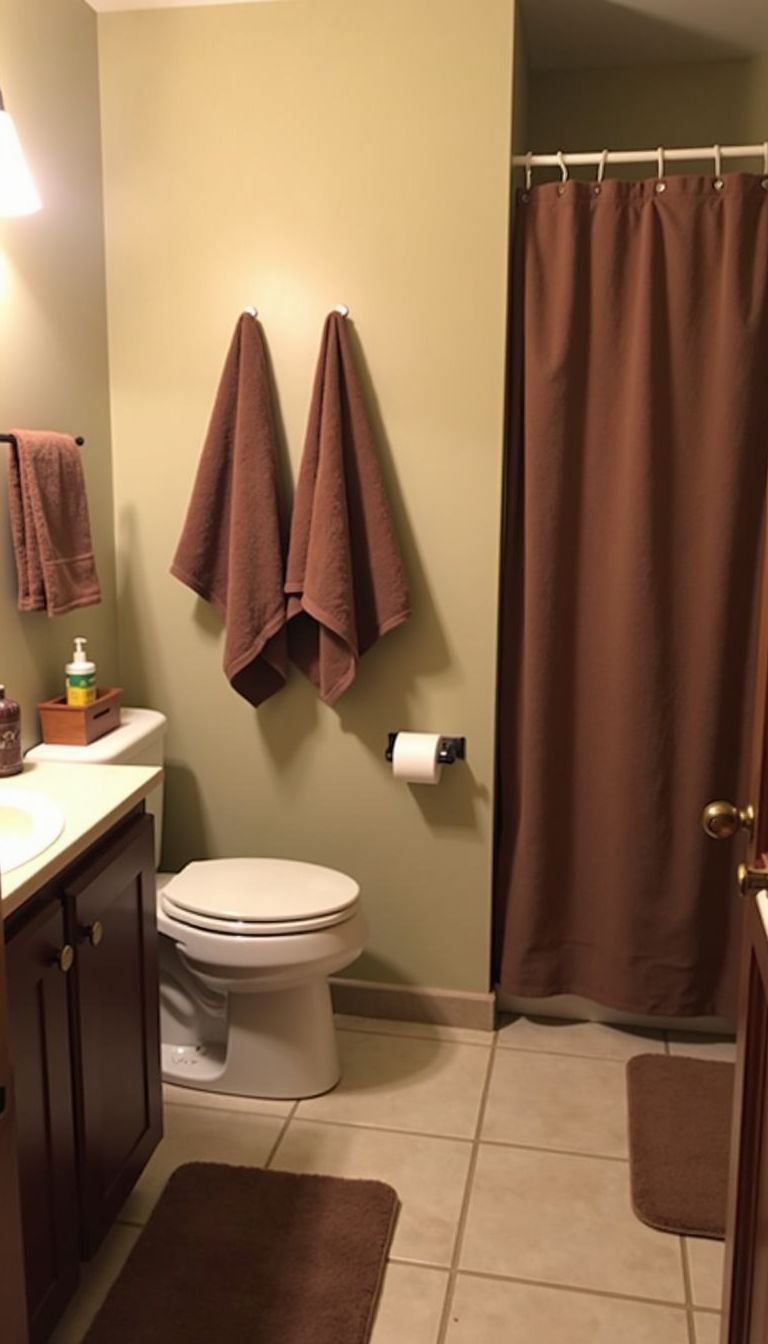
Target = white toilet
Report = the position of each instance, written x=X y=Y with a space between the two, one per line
x=246 y=947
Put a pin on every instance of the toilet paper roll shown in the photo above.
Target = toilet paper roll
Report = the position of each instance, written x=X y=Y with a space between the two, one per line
x=414 y=758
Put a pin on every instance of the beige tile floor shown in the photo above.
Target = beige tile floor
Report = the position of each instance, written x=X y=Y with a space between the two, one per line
x=509 y=1156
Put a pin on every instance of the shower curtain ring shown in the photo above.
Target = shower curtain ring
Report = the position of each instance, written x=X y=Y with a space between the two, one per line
x=660 y=160
x=601 y=166
x=529 y=170
x=765 y=159
x=718 y=166
x=563 y=166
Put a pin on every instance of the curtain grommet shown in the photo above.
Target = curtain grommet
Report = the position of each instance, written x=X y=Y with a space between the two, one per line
x=660 y=187
x=524 y=197
x=764 y=184
x=596 y=189
x=718 y=184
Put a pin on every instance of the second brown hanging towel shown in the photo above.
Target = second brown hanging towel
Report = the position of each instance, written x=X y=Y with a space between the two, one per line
x=230 y=551
x=345 y=580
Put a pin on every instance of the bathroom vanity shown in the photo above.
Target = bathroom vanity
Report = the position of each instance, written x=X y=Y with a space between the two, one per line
x=81 y=970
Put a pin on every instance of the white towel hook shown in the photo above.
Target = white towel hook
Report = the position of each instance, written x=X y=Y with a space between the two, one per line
x=718 y=161
x=529 y=170
x=601 y=165
x=342 y=309
x=563 y=166
x=250 y=311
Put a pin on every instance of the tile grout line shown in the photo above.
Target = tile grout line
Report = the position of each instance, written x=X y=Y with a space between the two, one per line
x=688 y=1289
x=560 y=1287
x=456 y=1138
x=464 y=1211
x=273 y=1150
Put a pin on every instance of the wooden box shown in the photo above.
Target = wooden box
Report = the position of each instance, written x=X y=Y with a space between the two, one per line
x=78 y=725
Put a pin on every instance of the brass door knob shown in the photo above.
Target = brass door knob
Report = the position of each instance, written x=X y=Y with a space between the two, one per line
x=722 y=820
x=65 y=958
x=751 y=879
x=95 y=933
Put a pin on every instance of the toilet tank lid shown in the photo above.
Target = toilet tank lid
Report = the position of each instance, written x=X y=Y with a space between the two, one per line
x=139 y=730
x=261 y=889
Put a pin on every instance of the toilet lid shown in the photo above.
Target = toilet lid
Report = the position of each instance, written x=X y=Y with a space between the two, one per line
x=269 y=895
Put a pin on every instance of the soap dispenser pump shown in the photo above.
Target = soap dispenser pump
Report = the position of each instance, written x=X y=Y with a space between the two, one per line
x=10 y=736
x=81 y=676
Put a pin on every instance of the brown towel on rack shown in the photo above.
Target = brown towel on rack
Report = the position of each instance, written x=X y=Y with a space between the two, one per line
x=49 y=523
x=345 y=577
x=230 y=551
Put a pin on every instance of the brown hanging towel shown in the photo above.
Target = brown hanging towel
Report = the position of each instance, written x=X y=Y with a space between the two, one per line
x=230 y=551
x=345 y=580
x=49 y=523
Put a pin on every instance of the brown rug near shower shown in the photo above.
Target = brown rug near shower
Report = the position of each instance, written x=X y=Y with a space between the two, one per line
x=679 y=1141
x=235 y=1255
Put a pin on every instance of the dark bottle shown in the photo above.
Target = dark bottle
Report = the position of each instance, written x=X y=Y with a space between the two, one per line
x=10 y=736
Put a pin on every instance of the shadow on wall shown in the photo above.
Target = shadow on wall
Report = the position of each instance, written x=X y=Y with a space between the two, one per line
x=184 y=830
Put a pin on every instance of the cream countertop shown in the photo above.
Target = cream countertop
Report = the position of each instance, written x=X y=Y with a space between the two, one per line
x=92 y=798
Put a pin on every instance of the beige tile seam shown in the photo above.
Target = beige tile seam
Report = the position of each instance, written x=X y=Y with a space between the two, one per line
x=421 y=1036
x=573 y=1054
x=279 y=1139
x=564 y=1152
x=224 y=1110
x=464 y=1210
x=687 y=1288
x=575 y=1288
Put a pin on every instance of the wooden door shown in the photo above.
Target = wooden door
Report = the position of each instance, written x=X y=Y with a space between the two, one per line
x=38 y=965
x=13 y=1310
x=111 y=920
x=745 y=1301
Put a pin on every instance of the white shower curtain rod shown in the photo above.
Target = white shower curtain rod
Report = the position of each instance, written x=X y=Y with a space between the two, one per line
x=658 y=156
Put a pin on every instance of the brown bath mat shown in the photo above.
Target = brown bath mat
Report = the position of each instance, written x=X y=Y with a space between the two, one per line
x=679 y=1140
x=234 y=1255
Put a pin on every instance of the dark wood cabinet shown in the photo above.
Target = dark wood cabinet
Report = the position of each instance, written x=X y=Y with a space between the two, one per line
x=84 y=1033
x=13 y=1314
x=110 y=908
x=42 y=1072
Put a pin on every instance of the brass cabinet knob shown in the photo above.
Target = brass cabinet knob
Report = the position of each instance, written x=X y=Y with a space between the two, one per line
x=65 y=958
x=722 y=820
x=95 y=933
x=751 y=879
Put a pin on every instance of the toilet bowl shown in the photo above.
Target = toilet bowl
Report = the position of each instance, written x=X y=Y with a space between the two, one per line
x=246 y=949
x=246 y=946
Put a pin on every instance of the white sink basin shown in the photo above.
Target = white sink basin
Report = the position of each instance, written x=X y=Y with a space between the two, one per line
x=29 y=823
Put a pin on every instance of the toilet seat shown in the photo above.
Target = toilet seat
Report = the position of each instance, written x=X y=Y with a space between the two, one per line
x=257 y=898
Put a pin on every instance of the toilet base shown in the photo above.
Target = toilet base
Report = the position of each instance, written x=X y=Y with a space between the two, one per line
x=279 y=1045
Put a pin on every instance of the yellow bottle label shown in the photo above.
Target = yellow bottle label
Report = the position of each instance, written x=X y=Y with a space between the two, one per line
x=81 y=695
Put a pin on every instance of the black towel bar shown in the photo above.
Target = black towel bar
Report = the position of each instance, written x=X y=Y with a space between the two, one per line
x=11 y=438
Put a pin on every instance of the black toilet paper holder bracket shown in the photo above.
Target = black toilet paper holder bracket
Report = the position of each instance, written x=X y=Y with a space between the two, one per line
x=451 y=749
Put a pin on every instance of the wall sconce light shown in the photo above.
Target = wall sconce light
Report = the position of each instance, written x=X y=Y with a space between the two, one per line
x=18 y=194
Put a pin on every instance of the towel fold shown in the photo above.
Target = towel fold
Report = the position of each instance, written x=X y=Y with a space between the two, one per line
x=345 y=580
x=230 y=551
x=49 y=524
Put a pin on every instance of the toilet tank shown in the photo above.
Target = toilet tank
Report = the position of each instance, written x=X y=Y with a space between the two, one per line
x=140 y=740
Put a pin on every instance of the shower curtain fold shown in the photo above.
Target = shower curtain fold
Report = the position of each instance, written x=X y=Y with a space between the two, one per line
x=635 y=494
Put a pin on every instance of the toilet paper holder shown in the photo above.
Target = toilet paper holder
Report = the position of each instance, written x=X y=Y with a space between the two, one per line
x=451 y=749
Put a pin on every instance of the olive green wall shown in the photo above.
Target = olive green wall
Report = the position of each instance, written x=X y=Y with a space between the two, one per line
x=294 y=156
x=53 y=367
x=724 y=102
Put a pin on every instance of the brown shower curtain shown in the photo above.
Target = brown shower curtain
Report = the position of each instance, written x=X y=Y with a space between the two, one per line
x=634 y=510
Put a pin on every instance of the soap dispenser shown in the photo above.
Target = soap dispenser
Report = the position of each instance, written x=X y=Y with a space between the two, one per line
x=81 y=676
x=10 y=736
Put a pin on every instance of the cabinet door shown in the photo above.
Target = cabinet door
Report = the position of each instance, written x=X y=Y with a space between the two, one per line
x=37 y=962
x=110 y=908
x=13 y=1311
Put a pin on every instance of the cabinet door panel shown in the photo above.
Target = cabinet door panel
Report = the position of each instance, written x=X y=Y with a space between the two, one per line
x=39 y=1033
x=13 y=1313
x=111 y=916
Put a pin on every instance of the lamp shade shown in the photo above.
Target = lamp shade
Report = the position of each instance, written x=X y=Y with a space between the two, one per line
x=18 y=194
